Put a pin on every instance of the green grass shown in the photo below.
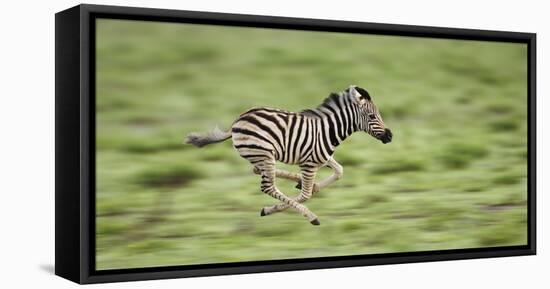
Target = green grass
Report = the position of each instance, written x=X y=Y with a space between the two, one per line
x=459 y=155
x=454 y=176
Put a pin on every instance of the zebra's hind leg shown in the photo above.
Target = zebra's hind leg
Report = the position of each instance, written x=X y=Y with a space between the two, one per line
x=268 y=174
x=307 y=176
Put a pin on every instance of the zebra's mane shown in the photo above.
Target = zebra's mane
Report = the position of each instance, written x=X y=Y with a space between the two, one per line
x=333 y=97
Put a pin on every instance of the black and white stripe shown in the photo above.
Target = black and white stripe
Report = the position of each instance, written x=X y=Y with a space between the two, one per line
x=307 y=138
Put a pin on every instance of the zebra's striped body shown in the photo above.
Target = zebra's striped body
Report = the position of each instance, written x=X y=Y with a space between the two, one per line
x=307 y=138
x=292 y=138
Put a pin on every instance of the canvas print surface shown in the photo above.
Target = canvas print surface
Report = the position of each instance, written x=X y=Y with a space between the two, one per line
x=404 y=144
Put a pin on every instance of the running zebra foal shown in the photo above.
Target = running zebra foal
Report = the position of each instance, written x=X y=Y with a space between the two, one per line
x=307 y=138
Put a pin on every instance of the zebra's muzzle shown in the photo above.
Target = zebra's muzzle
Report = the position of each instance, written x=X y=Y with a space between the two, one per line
x=387 y=136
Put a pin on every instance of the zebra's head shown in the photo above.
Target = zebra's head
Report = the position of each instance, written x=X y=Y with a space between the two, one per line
x=370 y=118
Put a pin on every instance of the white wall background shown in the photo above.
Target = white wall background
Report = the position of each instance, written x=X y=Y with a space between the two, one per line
x=27 y=144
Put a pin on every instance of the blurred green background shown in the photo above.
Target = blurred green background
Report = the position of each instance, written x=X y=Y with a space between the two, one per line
x=454 y=176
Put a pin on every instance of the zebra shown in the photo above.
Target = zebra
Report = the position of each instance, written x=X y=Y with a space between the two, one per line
x=308 y=139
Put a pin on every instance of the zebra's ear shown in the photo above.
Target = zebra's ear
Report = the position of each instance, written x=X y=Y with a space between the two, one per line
x=364 y=94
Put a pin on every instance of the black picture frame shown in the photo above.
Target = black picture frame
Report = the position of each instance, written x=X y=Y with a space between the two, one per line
x=75 y=142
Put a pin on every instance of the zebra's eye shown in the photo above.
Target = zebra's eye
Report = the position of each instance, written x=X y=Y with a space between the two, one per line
x=372 y=116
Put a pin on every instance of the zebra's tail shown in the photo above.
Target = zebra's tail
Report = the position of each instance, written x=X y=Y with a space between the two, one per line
x=202 y=139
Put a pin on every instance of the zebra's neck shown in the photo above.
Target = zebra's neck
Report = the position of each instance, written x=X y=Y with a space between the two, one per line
x=340 y=116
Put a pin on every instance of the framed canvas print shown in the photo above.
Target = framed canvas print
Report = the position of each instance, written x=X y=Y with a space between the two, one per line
x=194 y=144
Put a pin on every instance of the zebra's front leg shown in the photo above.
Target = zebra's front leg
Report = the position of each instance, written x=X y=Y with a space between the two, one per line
x=290 y=176
x=267 y=171
x=336 y=175
x=307 y=177
x=282 y=174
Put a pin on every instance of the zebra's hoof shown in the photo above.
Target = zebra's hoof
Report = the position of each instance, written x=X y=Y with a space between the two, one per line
x=315 y=222
x=262 y=212
x=299 y=185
